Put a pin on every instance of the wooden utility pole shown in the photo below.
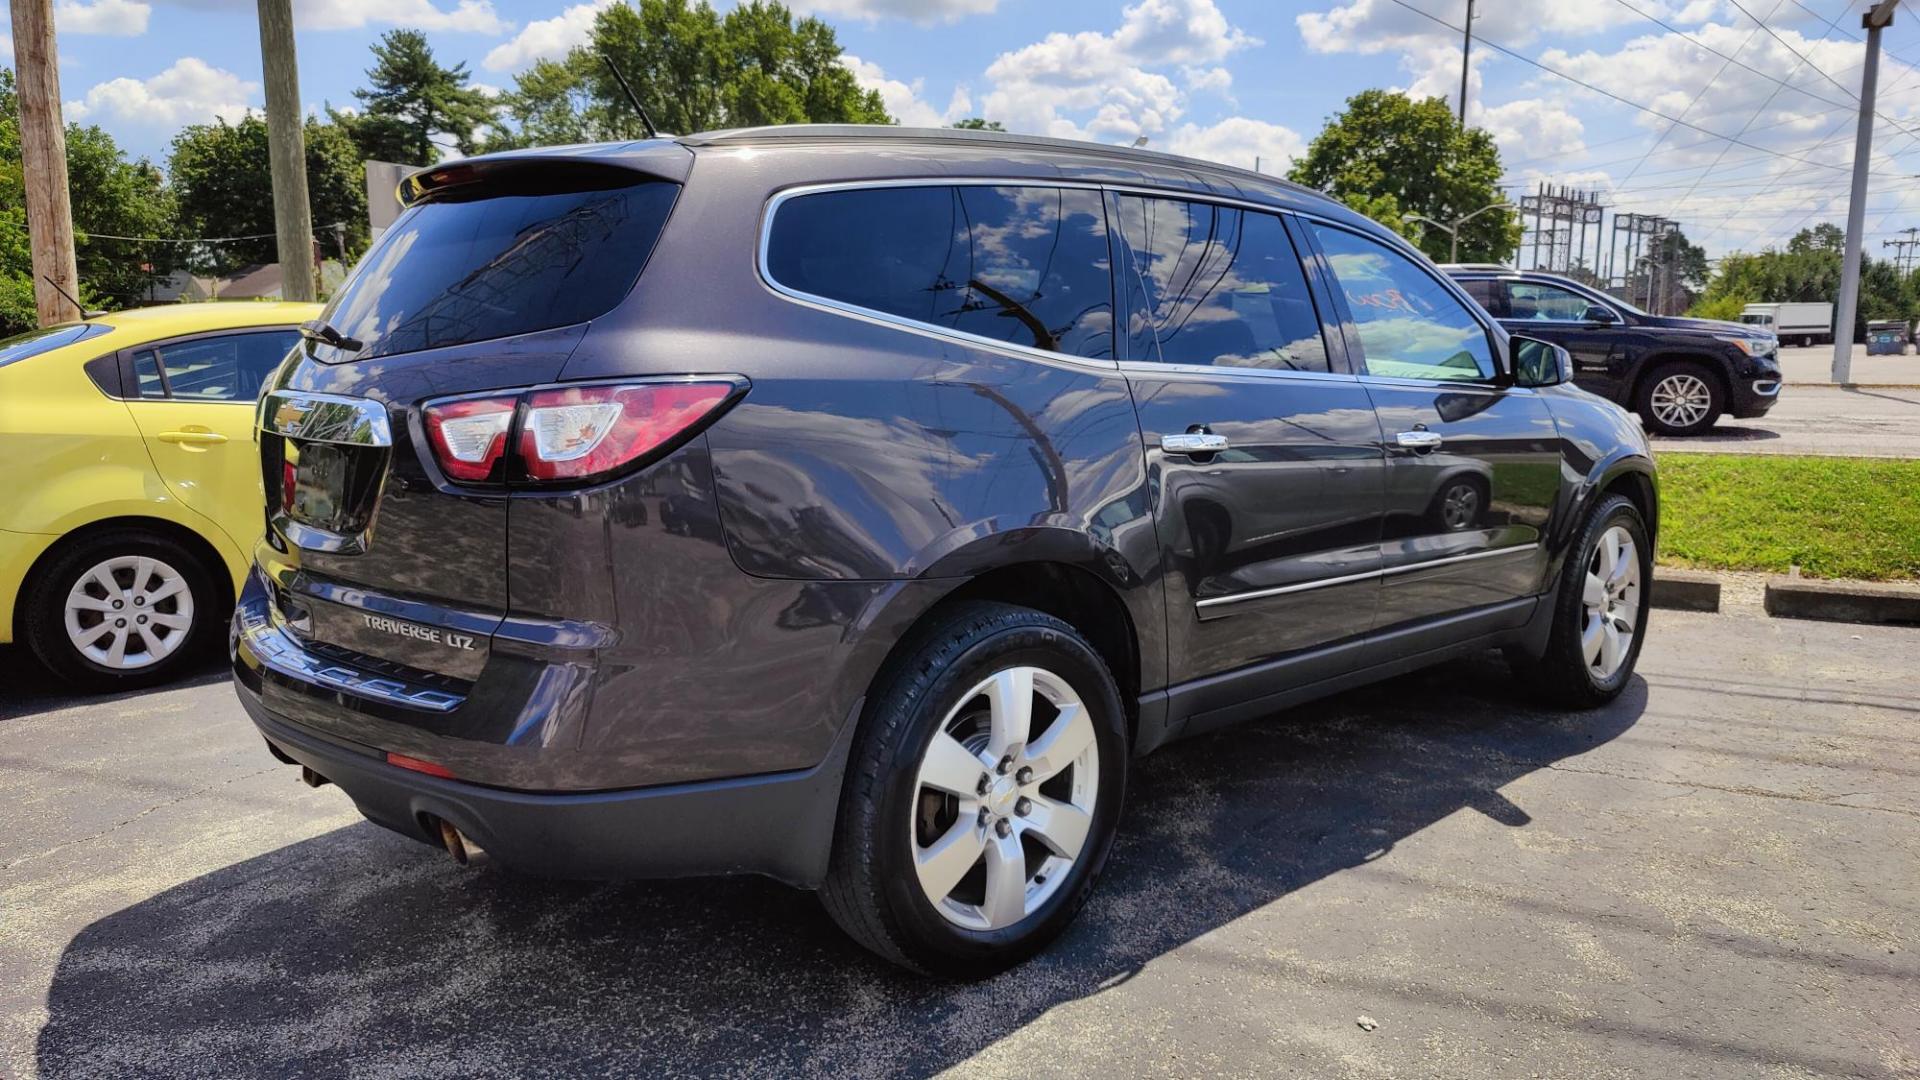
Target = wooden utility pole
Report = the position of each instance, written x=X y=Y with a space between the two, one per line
x=287 y=152
x=43 y=153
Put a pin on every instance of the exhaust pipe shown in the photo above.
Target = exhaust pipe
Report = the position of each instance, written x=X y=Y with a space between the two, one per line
x=311 y=778
x=460 y=845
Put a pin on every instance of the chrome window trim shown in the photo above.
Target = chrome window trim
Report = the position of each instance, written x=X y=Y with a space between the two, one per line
x=330 y=418
x=1025 y=352
x=1155 y=367
x=1482 y=385
x=1383 y=573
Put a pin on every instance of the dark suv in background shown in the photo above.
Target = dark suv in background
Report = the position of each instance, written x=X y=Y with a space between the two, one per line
x=851 y=505
x=1681 y=375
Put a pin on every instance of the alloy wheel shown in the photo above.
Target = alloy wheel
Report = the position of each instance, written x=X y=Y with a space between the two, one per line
x=1681 y=400
x=1610 y=603
x=1460 y=507
x=1004 y=798
x=129 y=612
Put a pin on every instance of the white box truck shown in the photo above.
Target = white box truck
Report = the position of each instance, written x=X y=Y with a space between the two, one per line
x=1793 y=324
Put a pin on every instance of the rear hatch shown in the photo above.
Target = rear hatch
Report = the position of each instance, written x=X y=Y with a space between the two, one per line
x=377 y=554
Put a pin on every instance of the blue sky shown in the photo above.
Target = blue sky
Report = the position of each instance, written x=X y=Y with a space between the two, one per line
x=1222 y=79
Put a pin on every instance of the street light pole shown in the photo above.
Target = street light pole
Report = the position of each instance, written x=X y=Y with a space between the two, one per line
x=1874 y=21
x=1452 y=229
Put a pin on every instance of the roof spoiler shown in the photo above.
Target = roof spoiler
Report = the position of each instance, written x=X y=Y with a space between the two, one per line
x=546 y=172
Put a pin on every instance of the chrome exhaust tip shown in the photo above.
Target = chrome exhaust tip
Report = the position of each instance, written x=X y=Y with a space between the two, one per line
x=460 y=845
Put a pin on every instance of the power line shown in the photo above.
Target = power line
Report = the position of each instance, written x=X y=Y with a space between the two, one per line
x=1496 y=46
x=203 y=239
x=1670 y=28
x=1776 y=92
x=1666 y=131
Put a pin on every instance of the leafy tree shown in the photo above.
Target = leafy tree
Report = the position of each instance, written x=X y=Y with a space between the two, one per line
x=412 y=100
x=222 y=187
x=1668 y=275
x=977 y=123
x=1825 y=236
x=693 y=70
x=1384 y=209
x=110 y=196
x=1386 y=144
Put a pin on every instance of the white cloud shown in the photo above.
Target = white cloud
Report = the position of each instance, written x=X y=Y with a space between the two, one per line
x=1240 y=141
x=547 y=39
x=1102 y=86
x=466 y=16
x=920 y=11
x=1531 y=127
x=903 y=100
x=116 y=18
x=190 y=92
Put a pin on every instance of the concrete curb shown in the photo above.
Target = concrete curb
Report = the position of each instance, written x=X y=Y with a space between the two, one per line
x=1685 y=590
x=1843 y=601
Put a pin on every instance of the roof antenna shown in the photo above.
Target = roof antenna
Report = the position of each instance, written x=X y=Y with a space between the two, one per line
x=645 y=120
x=77 y=306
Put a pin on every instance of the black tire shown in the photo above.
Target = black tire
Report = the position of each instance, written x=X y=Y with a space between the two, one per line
x=872 y=888
x=43 y=610
x=1652 y=384
x=1561 y=676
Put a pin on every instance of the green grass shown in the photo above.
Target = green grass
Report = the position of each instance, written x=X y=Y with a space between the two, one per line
x=1833 y=517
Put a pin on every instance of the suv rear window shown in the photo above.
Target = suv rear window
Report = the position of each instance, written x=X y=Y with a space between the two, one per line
x=489 y=263
x=1023 y=265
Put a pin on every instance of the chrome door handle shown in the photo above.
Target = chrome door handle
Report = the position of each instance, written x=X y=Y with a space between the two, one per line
x=1193 y=442
x=1418 y=440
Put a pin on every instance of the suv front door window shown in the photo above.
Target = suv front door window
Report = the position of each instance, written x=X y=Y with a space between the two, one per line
x=1556 y=314
x=1474 y=466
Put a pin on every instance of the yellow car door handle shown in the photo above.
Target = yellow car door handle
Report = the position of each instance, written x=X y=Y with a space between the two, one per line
x=193 y=438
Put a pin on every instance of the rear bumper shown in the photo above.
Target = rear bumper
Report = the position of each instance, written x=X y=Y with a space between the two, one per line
x=779 y=825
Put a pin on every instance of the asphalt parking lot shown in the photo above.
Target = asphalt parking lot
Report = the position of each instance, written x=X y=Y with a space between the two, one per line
x=1717 y=876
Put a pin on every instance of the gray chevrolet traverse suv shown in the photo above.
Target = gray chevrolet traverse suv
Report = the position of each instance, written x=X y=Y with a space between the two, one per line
x=853 y=505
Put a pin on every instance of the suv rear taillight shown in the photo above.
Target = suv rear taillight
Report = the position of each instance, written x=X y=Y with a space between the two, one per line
x=470 y=435
x=569 y=434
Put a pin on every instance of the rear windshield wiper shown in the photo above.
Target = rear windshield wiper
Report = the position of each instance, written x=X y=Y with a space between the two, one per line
x=319 y=331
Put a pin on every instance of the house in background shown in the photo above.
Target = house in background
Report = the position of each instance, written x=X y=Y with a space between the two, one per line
x=261 y=281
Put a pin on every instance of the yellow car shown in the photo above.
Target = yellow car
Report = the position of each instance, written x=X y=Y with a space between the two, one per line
x=130 y=485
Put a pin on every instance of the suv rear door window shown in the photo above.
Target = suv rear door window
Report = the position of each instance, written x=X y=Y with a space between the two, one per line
x=1215 y=285
x=499 y=259
x=1410 y=327
x=1028 y=266
x=1485 y=292
x=1533 y=300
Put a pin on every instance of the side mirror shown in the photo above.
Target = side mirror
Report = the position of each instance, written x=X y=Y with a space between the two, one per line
x=1539 y=363
x=1598 y=313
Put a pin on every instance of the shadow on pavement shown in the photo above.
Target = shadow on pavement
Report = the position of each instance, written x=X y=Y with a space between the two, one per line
x=361 y=952
x=26 y=688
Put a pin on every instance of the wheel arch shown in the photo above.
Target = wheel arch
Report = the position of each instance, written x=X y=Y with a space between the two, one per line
x=1652 y=362
x=212 y=558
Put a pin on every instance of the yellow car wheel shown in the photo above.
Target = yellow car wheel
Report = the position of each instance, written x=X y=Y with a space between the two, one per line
x=122 y=609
